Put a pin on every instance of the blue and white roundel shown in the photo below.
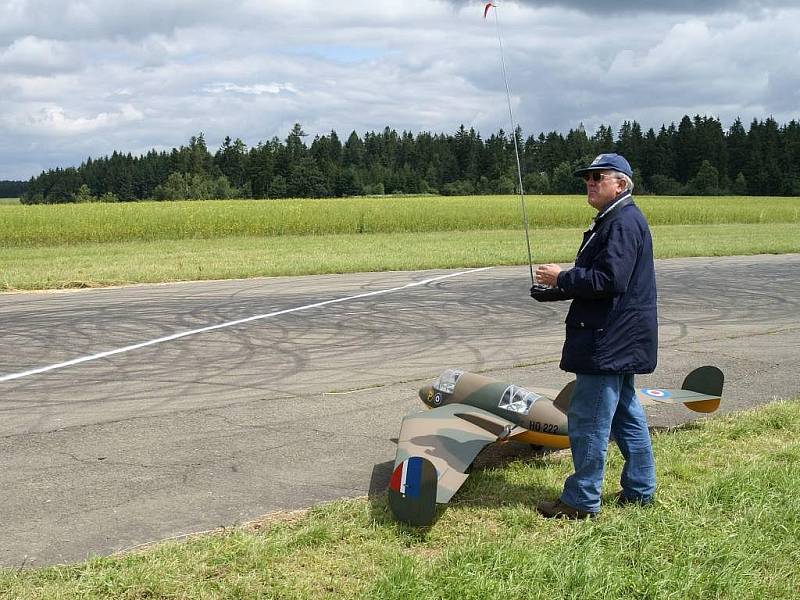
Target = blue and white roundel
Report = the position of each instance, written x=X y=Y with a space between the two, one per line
x=655 y=393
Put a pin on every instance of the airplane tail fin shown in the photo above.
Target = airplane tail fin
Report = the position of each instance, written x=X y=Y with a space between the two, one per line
x=564 y=396
x=704 y=380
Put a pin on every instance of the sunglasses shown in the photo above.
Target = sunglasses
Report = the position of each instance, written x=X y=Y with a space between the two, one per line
x=595 y=176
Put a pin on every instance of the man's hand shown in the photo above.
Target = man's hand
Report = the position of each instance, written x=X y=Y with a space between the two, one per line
x=548 y=274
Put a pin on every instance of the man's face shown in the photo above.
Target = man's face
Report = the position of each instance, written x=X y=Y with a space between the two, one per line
x=602 y=187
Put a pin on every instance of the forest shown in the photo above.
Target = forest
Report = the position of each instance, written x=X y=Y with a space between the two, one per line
x=698 y=156
x=12 y=189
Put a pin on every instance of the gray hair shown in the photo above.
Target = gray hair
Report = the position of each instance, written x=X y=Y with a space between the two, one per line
x=628 y=180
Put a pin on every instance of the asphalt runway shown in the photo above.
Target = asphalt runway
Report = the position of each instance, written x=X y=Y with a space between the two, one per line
x=282 y=412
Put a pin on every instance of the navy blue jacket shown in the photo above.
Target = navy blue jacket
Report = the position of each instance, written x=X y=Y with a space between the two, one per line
x=612 y=326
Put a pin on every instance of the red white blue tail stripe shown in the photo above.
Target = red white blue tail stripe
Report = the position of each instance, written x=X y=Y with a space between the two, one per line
x=407 y=477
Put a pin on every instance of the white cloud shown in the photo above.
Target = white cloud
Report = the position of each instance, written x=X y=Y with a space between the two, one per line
x=255 y=89
x=34 y=55
x=55 y=121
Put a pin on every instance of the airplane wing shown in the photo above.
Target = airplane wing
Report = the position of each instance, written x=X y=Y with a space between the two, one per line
x=450 y=437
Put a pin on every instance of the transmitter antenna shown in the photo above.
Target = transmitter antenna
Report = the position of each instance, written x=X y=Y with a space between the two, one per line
x=513 y=135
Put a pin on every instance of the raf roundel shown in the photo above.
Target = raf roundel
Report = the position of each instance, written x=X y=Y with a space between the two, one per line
x=655 y=393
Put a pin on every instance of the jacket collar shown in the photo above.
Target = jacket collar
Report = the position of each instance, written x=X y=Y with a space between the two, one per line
x=623 y=199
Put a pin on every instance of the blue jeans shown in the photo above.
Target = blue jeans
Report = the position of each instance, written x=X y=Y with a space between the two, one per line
x=605 y=406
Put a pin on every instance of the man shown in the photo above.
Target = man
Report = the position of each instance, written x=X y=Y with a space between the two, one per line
x=611 y=335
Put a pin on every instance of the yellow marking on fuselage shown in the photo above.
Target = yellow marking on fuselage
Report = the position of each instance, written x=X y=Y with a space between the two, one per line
x=538 y=438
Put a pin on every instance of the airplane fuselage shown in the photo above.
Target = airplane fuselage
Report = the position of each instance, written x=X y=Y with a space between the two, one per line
x=532 y=410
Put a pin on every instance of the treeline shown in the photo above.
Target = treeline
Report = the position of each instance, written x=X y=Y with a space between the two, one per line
x=12 y=189
x=696 y=157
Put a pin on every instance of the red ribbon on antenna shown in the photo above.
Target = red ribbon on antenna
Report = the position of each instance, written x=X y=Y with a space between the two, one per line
x=486 y=9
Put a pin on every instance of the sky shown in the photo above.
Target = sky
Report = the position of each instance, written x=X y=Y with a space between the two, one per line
x=85 y=78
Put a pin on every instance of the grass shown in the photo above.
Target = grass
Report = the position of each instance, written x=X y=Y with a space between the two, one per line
x=9 y=201
x=88 y=265
x=726 y=524
x=29 y=226
x=86 y=245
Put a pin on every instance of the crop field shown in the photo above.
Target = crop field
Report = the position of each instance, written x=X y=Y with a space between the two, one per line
x=90 y=245
x=147 y=221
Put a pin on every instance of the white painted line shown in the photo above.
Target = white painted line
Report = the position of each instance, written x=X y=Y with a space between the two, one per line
x=83 y=359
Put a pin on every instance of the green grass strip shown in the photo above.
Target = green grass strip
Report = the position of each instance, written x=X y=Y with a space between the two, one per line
x=726 y=524
x=149 y=221
x=88 y=265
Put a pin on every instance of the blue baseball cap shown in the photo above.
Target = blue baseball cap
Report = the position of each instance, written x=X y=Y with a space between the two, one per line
x=608 y=162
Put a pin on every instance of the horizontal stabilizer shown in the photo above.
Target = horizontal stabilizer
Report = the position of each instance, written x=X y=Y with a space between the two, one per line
x=701 y=391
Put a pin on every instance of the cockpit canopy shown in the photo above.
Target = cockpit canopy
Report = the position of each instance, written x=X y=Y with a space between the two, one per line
x=517 y=399
x=446 y=382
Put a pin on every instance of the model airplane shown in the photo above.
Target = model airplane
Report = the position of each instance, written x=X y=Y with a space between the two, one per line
x=470 y=411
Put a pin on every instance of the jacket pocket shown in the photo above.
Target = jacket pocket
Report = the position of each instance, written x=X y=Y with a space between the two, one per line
x=580 y=348
x=618 y=345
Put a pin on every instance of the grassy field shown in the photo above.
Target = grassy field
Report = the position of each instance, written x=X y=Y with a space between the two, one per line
x=726 y=524
x=9 y=201
x=93 y=265
x=85 y=245
x=147 y=221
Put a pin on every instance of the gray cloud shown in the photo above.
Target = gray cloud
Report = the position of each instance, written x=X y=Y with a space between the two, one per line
x=618 y=7
x=132 y=76
x=96 y=19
